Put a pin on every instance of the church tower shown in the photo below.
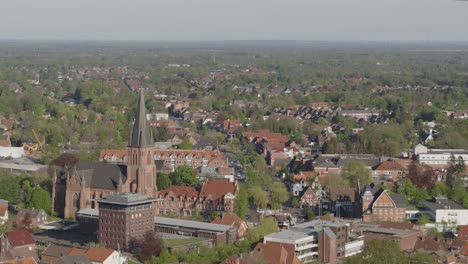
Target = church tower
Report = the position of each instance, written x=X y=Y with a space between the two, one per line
x=141 y=169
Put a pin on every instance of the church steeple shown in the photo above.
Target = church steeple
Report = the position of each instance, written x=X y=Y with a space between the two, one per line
x=141 y=134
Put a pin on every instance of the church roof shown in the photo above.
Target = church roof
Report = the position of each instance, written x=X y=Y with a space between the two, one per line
x=141 y=134
x=102 y=175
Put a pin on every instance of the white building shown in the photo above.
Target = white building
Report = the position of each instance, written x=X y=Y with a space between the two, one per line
x=439 y=157
x=11 y=152
x=446 y=213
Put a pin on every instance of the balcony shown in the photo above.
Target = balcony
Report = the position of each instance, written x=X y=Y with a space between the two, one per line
x=305 y=246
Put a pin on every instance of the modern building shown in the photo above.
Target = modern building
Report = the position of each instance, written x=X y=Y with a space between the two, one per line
x=123 y=217
x=321 y=240
x=446 y=213
x=438 y=157
x=218 y=233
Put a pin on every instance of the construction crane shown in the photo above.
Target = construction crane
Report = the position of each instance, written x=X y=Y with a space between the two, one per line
x=35 y=148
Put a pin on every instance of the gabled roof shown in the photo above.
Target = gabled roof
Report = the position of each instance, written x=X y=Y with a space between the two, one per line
x=74 y=259
x=56 y=251
x=390 y=165
x=340 y=193
x=306 y=190
x=229 y=219
x=217 y=189
x=28 y=260
x=99 y=174
x=141 y=135
x=277 y=253
x=185 y=191
x=19 y=238
x=98 y=254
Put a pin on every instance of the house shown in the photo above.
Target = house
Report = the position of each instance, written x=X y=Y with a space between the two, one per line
x=17 y=243
x=308 y=198
x=462 y=233
x=343 y=201
x=104 y=256
x=378 y=205
x=389 y=170
x=438 y=158
x=3 y=211
x=36 y=217
x=212 y=196
x=231 y=219
x=276 y=253
x=74 y=259
x=53 y=253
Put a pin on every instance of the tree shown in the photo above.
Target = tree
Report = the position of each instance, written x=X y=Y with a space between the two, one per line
x=241 y=206
x=295 y=202
x=412 y=192
x=184 y=175
x=150 y=246
x=423 y=219
x=40 y=199
x=278 y=195
x=356 y=173
x=378 y=250
x=185 y=144
x=259 y=196
x=163 y=181
x=309 y=214
x=9 y=187
x=423 y=176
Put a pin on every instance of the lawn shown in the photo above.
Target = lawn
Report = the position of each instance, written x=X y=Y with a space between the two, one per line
x=173 y=242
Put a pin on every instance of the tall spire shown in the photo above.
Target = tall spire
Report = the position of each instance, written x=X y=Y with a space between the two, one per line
x=141 y=134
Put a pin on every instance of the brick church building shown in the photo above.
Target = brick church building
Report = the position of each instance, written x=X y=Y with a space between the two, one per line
x=78 y=185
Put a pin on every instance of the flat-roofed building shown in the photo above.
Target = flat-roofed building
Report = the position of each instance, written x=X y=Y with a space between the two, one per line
x=124 y=216
x=219 y=233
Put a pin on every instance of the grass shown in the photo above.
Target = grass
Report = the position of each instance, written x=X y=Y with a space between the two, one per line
x=174 y=242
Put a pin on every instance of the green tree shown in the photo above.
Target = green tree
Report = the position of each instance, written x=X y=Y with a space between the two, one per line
x=259 y=196
x=163 y=181
x=423 y=219
x=9 y=187
x=185 y=144
x=378 y=250
x=184 y=175
x=355 y=173
x=309 y=214
x=241 y=206
x=295 y=202
x=278 y=195
x=40 y=199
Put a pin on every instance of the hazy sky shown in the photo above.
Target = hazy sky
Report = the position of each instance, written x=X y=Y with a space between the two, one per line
x=407 y=20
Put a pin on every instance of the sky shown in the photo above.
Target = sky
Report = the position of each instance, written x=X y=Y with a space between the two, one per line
x=206 y=20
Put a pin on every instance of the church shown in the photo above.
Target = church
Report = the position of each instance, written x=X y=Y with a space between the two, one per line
x=77 y=185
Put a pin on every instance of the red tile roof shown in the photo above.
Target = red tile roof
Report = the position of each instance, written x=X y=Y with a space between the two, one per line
x=217 y=189
x=463 y=232
x=76 y=251
x=277 y=253
x=229 y=219
x=19 y=238
x=185 y=191
x=390 y=165
x=98 y=254
x=110 y=152
x=28 y=260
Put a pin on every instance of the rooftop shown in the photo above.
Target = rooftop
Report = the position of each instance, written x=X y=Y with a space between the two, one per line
x=126 y=199
x=191 y=224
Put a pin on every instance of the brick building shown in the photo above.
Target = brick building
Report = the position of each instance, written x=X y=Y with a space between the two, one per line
x=78 y=183
x=37 y=217
x=378 y=205
x=124 y=216
x=211 y=196
x=218 y=233
x=17 y=243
